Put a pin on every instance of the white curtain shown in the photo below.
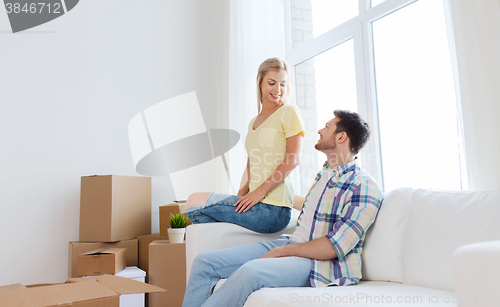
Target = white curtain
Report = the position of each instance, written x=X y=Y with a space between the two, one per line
x=256 y=32
x=476 y=27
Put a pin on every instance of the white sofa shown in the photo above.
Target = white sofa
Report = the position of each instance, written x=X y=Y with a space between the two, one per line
x=426 y=248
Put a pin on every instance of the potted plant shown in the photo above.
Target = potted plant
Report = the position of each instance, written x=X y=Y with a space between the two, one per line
x=177 y=228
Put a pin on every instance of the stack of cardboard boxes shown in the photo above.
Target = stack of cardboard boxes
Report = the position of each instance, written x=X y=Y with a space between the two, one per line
x=115 y=214
x=114 y=211
x=115 y=238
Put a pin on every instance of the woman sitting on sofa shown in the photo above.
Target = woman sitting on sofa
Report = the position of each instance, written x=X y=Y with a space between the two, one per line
x=273 y=144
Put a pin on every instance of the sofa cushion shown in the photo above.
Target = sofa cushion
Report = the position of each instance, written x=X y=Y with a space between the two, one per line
x=439 y=222
x=366 y=293
x=383 y=247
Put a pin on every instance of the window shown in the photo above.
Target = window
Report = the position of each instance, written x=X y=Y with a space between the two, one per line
x=390 y=63
x=324 y=81
x=311 y=18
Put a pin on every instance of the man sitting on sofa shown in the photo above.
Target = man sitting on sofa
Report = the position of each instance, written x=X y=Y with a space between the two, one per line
x=324 y=250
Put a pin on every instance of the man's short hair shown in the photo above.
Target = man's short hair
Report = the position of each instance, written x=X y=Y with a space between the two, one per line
x=356 y=128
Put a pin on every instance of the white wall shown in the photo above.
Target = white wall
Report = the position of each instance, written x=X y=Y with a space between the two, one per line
x=67 y=91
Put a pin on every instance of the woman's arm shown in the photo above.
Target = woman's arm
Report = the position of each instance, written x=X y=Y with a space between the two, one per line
x=292 y=159
x=245 y=180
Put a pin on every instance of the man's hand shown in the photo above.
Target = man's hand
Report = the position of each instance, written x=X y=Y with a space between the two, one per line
x=248 y=201
x=317 y=249
x=277 y=252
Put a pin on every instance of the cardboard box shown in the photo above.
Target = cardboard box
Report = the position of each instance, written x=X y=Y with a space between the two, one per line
x=165 y=216
x=144 y=251
x=102 y=261
x=78 y=248
x=114 y=208
x=167 y=269
x=144 y=242
x=85 y=292
x=12 y=287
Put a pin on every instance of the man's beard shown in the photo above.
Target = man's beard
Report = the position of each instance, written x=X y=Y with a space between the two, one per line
x=325 y=146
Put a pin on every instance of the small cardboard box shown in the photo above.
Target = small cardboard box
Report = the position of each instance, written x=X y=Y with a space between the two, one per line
x=165 y=216
x=78 y=248
x=101 y=261
x=167 y=269
x=89 y=292
x=114 y=208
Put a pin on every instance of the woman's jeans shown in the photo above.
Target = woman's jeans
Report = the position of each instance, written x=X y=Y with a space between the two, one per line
x=263 y=218
x=245 y=273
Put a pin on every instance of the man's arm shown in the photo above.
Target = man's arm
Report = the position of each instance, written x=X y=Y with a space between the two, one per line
x=357 y=217
x=317 y=249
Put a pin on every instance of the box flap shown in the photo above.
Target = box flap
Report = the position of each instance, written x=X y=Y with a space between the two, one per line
x=16 y=297
x=12 y=287
x=120 y=285
x=58 y=295
x=104 y=251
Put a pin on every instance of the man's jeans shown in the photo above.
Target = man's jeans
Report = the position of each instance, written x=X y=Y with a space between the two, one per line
x=245 y=274
x=263 y=218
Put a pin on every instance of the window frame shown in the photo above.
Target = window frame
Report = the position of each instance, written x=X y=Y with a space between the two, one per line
x=359 y=29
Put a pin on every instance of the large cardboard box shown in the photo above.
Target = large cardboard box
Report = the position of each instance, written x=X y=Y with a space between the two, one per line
x=167 y=269
x=165 y=216
x=79 y=292
x=101 y=261
x=78 y=248
x=114 y=208
x=144 y=242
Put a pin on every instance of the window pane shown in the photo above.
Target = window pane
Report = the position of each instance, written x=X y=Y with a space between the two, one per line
x=324 y=83
x=311 y=18
x=416 y=99
x=376 y=2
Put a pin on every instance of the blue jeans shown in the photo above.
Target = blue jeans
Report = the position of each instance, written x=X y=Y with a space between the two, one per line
x=245 y=274
x=263 y=218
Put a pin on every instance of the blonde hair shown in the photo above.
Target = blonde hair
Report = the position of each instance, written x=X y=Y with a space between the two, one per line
x=275 y=64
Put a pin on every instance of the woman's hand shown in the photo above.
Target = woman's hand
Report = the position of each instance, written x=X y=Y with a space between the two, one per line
x=248 y=201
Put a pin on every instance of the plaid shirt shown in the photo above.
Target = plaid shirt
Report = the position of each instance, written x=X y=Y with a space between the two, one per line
x=347 y=207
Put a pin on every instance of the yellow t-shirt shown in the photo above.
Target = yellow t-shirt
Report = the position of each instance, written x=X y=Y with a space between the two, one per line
x=266 y=149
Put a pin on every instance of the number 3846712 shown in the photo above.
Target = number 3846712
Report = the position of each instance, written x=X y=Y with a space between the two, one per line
x=33 y=8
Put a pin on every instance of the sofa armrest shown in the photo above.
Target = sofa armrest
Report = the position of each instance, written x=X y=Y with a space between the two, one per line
x=206 y=237
x=477 y=274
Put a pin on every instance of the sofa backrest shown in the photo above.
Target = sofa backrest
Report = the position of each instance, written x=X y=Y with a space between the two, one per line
x=438 y=223
x=382 y=251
